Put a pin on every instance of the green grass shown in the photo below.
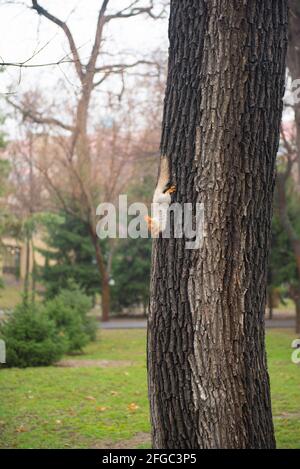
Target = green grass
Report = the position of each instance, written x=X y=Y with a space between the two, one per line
x=83 y=407
x=285 y=388
x=53 y=404
x=288 y=308
x=10 y=296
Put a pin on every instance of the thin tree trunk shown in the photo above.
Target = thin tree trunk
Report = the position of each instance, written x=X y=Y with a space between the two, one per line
x=207 y=372
x=34 y=273
x=27 y=271
x=270 y=293
x=105 y=288
x=105 y=299
x=270 y=303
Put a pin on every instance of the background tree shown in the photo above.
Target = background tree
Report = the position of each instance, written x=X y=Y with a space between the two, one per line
x=284 y=279
x=132 y=260
x=208 y=380
x=25 y=200
x=293 y=64
x=289 y=214
x=76 y=153
x=69 y=255
x=131 y=274
x=284 y=227
x=4 y=172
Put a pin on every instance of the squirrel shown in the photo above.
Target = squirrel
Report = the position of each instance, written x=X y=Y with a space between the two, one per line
x=161 y=199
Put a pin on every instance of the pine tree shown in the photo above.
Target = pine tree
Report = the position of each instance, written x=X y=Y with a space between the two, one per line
x=70 y=256
x=131 y=273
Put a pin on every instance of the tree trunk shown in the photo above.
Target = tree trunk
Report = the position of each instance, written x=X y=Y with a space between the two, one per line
x=270 y=293
x=270 y=302
x=34 y=273
x=208 y=380
x=27 y=271
x=105 y=288
x=105 y=299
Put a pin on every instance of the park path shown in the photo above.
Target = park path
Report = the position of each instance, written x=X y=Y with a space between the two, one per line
x=124 y=324
x=120 y=323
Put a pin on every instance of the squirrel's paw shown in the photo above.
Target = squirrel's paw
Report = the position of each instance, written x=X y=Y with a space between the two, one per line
x=171 y=190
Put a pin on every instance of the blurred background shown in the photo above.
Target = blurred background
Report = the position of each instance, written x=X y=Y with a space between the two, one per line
x=81 y=101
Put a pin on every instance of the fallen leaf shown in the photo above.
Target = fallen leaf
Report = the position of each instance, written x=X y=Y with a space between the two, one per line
x=21 y=429
x=90 y=398
x=101 y=409
x=133 y=406
x=114 y=393
x=58 y=422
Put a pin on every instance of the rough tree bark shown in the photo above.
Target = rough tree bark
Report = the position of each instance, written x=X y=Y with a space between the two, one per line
x=207 y=372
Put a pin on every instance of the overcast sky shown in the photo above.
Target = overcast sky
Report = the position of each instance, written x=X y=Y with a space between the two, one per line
x=23 y=33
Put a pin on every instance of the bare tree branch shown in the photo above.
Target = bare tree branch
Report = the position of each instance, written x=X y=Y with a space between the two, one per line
x=98 y=36
x=38 y=118
x=131 y=11
x=118 y=68
x=27 y=65
x=41 y=11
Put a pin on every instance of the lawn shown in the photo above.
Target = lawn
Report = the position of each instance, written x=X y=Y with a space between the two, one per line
x=10 y=296
x=90 y=406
